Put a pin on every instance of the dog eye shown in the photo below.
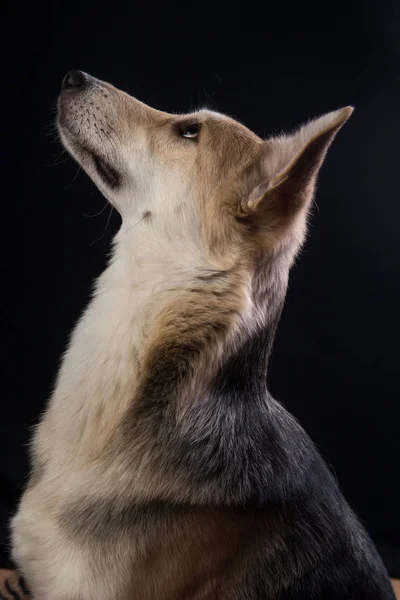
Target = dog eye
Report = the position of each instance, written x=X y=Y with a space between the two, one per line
x=190 y=131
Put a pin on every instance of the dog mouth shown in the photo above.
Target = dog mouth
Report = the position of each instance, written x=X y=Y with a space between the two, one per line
x=106 y=172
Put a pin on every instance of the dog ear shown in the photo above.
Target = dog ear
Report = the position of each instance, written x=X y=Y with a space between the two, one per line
x=280 y=183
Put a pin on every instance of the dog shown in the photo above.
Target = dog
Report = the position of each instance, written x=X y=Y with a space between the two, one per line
x=162 y=468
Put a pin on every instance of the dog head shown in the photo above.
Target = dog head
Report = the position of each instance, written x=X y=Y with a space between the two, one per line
x=202 y=176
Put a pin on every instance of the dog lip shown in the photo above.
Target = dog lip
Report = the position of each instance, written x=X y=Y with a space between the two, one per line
x=109 y=175
x=62 y=122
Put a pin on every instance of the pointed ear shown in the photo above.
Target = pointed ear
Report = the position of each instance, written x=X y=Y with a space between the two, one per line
x=281 y=181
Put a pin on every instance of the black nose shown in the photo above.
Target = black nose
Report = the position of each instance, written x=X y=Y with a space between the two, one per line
x=74 y=80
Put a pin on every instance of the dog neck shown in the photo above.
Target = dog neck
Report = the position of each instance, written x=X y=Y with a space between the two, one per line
x=106 y=357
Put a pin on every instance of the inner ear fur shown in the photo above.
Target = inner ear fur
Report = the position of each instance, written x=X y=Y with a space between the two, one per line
x=281 y=181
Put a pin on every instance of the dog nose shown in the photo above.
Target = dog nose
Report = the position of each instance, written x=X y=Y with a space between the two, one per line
x=74 y=81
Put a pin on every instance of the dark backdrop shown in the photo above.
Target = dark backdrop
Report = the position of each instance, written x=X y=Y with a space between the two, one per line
x=336 y=361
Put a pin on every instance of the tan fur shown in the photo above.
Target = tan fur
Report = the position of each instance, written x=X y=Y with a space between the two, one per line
x=202 y=222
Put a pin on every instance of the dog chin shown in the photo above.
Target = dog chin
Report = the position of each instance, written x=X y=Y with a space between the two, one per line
x=89 y=157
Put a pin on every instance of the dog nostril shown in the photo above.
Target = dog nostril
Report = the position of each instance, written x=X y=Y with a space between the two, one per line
x=74 y=80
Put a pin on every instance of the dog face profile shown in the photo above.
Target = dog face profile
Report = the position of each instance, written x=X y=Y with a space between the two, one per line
x=205 y=182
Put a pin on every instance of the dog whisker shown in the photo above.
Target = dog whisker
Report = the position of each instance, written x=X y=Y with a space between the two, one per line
x=105 y=229
x=97 y=214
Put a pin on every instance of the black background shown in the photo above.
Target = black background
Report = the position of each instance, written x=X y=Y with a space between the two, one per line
x=336 y=361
